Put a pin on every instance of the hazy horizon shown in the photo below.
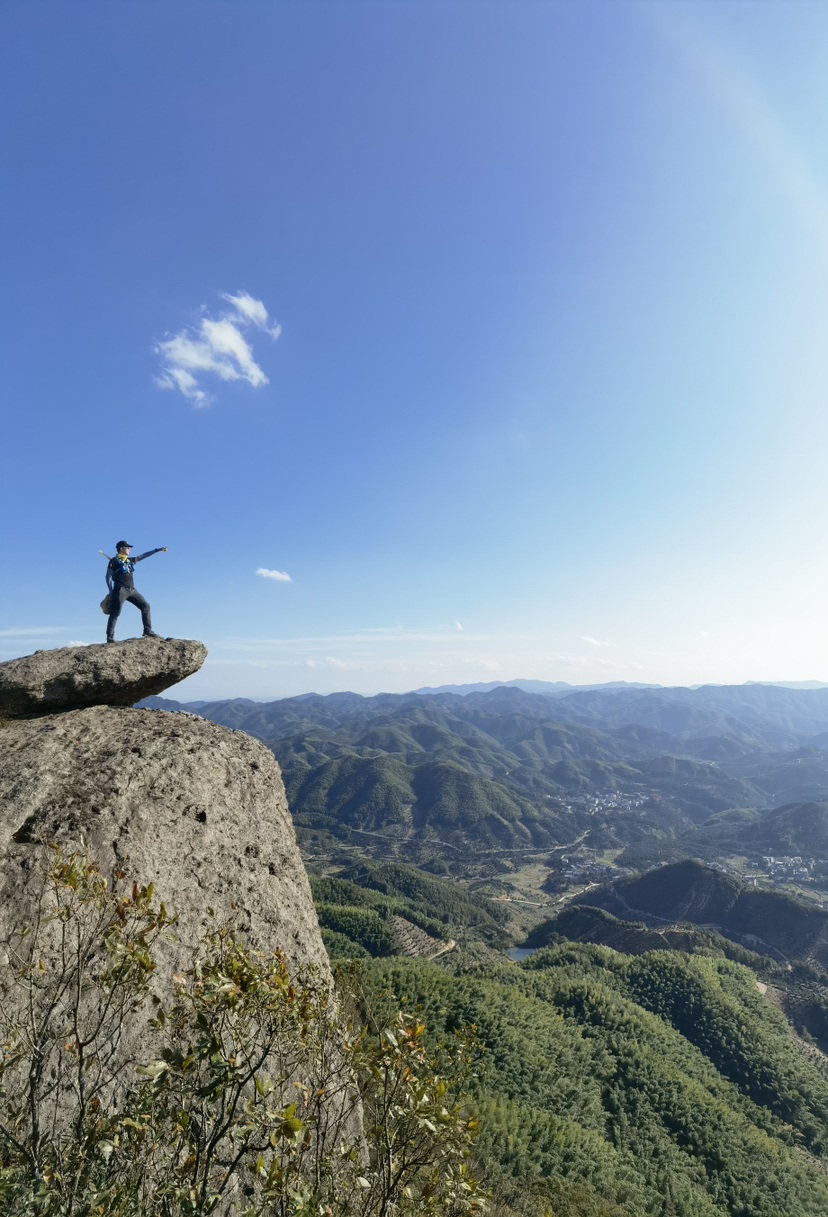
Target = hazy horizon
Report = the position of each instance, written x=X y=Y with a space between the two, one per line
x=247 y=678
x=175 y=694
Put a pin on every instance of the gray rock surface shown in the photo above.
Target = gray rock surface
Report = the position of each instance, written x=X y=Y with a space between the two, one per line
x=171 y=799
x=118 y=674
x=195 y=808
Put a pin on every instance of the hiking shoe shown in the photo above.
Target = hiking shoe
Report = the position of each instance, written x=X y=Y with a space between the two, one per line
x=151 y=634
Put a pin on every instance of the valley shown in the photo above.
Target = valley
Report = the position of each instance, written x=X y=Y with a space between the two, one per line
x=655 y=860
x=534 y=795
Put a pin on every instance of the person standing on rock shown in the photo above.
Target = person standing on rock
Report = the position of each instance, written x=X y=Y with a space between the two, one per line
x=119 y=580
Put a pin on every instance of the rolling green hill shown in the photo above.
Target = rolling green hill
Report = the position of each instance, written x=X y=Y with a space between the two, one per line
x=438 y=802
x=455 y=906
x=795 y=829
x=387 y=765
x=582 y=923
x=768 y=922
x=649 y=1084
x=356 y=904
x=420 y=773
x=798 y=828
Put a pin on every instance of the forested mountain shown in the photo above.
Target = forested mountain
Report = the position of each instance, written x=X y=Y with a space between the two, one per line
x=764 y=716
x=797 y=828
x=359 y=909
x=510 y=769
x=585 y=923
x=631 y=1065
x=766 y=921
x=650 y=1084
x=779 y=717
x=648 y=1080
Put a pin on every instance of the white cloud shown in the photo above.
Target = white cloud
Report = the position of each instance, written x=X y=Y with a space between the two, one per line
x=78 y=642
x=458 y=625
x=216 y=347
x=249 y=309
x=281 y=575
x=41 y=629
x=578 y=661
x=594 y=642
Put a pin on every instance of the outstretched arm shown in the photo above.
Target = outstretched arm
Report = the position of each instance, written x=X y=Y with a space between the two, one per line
x=162 y=549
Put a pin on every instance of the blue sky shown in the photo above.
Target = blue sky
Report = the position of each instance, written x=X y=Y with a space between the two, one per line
x=548 y=396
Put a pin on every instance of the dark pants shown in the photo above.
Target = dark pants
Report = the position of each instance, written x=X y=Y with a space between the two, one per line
x=119 y=595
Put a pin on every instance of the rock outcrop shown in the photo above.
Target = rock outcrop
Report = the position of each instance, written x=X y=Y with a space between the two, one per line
x=197 y=809
x=118 y=674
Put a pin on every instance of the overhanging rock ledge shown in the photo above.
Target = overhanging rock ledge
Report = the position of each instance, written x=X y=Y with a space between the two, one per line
x=73 y=678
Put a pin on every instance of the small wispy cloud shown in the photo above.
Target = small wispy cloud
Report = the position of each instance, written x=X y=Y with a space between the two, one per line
x=457 y=625
x=594 y=642
x=578 y=661
x=215 y=347
x=40 y=629
x=281 y=575
x=253 y=310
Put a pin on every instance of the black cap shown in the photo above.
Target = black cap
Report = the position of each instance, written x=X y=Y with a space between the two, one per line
x=124 y=545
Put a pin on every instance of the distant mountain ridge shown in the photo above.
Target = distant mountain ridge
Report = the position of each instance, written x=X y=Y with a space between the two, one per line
x=555 y=688
x=510 y=769
x=764 y=716
x=488 y=767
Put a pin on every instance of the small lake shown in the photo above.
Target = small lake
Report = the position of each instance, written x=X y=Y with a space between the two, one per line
x=518 y=953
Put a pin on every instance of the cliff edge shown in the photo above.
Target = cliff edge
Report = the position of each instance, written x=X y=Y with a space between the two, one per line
x=197 y=809
x=114 y=674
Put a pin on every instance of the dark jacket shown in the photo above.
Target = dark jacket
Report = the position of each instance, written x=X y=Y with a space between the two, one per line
x=121 y=567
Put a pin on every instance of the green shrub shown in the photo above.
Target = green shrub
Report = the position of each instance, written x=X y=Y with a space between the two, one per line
x=252 y=1099
x=361 y=925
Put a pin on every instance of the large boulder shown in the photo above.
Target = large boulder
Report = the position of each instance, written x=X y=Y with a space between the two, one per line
x=115 y=674
x=195 y=808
